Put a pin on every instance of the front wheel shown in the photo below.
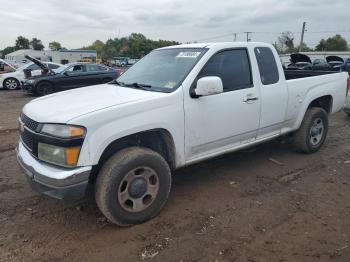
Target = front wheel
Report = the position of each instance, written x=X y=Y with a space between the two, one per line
x=44 y=88
x=11 y=84
x=133 y=186
x=312 y=132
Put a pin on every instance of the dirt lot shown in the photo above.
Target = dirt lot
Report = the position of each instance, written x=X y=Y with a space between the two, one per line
x=263 y=204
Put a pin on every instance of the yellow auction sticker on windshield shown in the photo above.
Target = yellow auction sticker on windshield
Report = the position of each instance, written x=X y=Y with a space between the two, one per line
x=189 y=54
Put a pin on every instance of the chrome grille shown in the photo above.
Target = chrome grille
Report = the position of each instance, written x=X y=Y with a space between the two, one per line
x=29 y=123
x=27 y=139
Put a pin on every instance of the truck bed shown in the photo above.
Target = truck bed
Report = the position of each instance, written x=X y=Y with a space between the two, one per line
x=295 y=74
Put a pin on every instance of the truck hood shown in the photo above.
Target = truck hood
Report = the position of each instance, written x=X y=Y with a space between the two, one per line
x=64 y=106
x=295 y=58
x=334 y=58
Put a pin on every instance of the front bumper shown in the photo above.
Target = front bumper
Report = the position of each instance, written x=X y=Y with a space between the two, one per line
x=27 y=87
x=56 y=182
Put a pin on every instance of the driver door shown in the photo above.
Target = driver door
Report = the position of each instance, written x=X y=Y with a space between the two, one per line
x=221 y=122
x=73 y=77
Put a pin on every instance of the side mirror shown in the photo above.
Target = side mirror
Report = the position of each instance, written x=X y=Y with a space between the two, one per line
x=66 y=73
x=209 y=85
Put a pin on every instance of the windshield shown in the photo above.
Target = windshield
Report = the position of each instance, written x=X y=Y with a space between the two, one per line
x=22 y=67
x=162 y=70
x=61 y=69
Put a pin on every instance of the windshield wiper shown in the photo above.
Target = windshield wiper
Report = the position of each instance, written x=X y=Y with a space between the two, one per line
x=133 y=85
x=138 y=85
x=118 y=83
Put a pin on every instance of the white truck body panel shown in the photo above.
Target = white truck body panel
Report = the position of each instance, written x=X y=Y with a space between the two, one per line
x=200 y=128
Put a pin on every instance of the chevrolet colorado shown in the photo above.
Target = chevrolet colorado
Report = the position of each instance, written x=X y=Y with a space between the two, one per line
x=176 y=106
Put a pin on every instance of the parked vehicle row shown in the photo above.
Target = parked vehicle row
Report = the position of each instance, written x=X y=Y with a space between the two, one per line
x=42 y=78
x=13 y=80
x=69 y=76
x=177 y=106
x=303 y=62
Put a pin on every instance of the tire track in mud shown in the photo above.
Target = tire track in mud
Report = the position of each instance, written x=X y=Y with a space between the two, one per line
x=8 y=130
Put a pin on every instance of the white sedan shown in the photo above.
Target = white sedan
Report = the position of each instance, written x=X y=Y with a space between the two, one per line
x=12 y=80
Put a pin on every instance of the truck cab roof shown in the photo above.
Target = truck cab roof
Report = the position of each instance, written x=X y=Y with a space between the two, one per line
x=218 y=45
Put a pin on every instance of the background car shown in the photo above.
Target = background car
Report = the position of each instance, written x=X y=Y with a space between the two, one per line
x=335 y=62
x=346 y=66
x=299 y=62
x=12 y=80
x=321 y=65
x=70 y=76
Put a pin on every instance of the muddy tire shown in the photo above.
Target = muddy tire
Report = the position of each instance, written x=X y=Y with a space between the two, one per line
x=133 y=186
x=11 y=84
x=313 y=131
x=44 y=88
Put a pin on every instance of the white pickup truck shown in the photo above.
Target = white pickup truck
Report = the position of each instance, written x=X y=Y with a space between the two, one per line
x=176 y=106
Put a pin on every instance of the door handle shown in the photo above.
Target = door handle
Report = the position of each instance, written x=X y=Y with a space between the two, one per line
x=250 y=99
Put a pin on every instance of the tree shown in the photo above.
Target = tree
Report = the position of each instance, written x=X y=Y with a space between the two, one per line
x=134 y=46
x=286 y=42
x=55 y=46
x=7 y=50
x=335 y=43
x=36 y=44
x=304 y=48
x=22 y=43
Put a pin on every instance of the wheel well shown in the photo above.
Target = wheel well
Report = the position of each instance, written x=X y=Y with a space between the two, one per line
x=158 y=140
x=44 y=81
x=324 y=102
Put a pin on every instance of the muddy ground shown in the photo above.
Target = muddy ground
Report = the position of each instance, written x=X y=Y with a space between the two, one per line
x=267 y=203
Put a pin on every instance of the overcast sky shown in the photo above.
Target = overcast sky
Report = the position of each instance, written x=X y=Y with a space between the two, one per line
x=75 y=23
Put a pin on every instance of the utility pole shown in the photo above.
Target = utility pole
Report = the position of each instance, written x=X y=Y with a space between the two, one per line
x=302 y=37
x=235 y=37
x=247 y=33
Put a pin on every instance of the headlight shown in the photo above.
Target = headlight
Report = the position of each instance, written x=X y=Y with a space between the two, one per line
x=62 y=156
x=63 y=131
x=30 y=81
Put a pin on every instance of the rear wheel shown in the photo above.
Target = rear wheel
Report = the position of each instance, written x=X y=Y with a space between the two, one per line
x=11 y=84
x=312 y=132
x=133 y=186
x=44 y=88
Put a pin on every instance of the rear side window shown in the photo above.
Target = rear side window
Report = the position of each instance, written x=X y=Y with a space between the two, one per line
x=53 y=66
x=33 y=67
x=102 y=68
x=232 y=66
x=267 y=65
x=93 y=68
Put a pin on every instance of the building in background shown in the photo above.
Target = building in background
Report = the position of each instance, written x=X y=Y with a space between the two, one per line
x=62 y=56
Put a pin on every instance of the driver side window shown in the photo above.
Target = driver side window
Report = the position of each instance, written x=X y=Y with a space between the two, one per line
x=75 y=69
x=232 y=66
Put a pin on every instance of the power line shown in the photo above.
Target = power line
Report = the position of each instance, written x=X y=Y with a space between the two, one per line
x=249 y=33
